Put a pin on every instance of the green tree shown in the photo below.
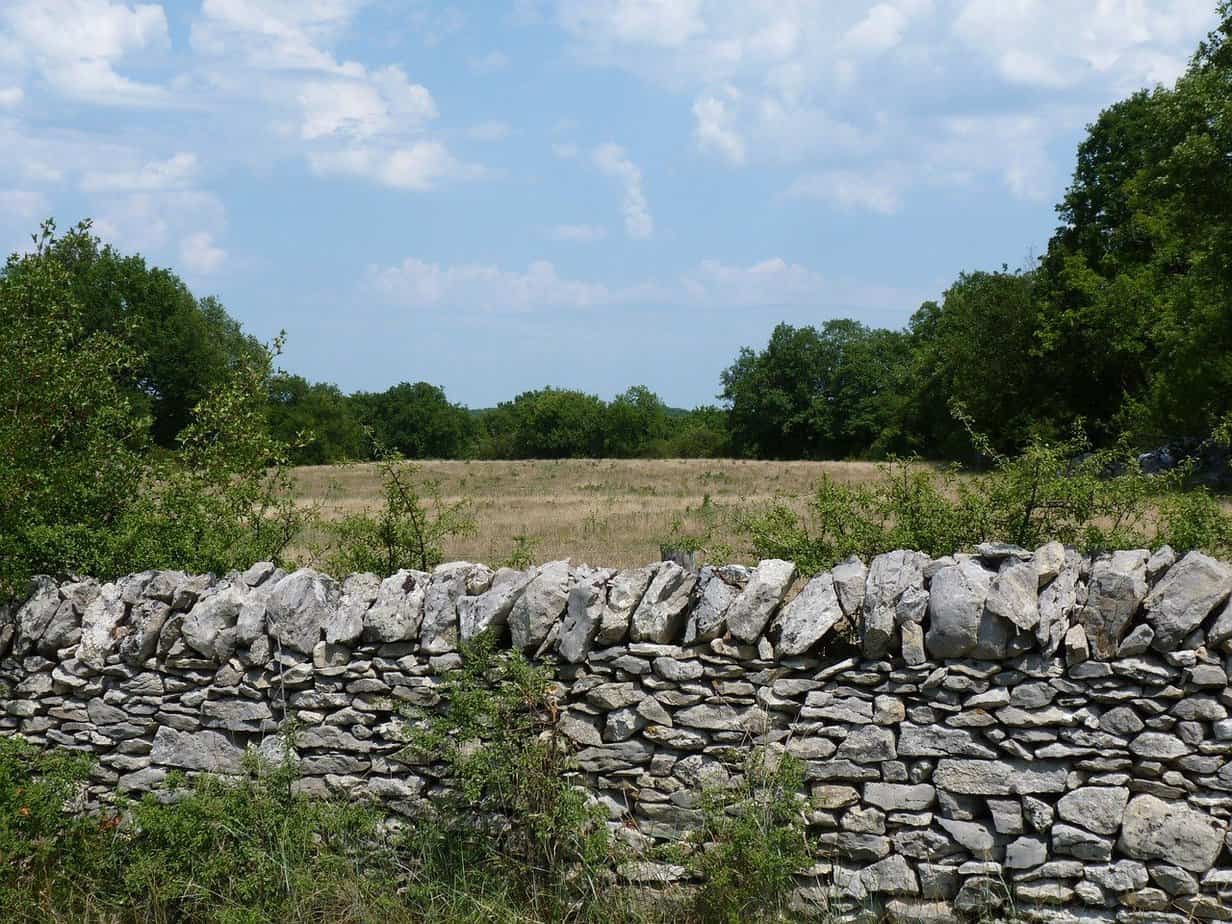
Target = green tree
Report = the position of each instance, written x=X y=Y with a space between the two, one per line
x=417 y=421
x=551 y=423
x=321 y=414
x=635 y=422
x=179 y=347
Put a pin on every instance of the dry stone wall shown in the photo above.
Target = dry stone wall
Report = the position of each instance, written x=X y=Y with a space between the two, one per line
x=1040 y=726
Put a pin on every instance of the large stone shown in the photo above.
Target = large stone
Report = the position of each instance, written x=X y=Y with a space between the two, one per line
x=719 y=587
x=146 y=621
x=64 y=630
x=491 y=609
x=1014 y=594
x=1057 y=603
x=624 y=593
x=100 y=626
x=999 y=778
x=203 y=750
x=540 y=606
x=359 y=592
x=35 y=615
x=807 y=618
x=977 y=838
x=449 y=583
x=895 y=797
x=891 y=876
x=1174 y=833
x=397 y=613
x=583 y=614
x=300 y=606
x=661 y=614
x=1096 y=808
x=204 y=626
x=1116 y=589
x=889 y=577
x=959 y=626
x=1184 y=597
x=750 y=612
x=850 y=577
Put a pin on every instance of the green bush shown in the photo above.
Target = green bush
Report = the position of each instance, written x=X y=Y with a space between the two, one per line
x=752 y=844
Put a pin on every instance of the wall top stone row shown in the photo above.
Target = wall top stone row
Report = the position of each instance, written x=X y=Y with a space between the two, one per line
x=995 y=603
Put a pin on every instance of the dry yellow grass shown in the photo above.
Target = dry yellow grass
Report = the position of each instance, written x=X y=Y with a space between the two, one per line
x=611 y=512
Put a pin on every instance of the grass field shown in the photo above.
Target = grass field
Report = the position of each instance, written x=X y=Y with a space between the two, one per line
x=610 y=512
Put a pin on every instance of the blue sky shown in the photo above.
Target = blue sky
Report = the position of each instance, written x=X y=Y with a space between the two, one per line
x=494 y=196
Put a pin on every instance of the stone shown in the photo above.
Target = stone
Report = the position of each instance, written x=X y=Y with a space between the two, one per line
x=99 y=626
x=999 y=778
x=1026 y=852
x=203 y=627
x=891 y=876
x=809 y=617
x=1078 y=842
x=203 y=750
x=541 y=605
x=1157 y=830
x=974 y=836
x=359 y=592
x=449 y=583
x=36 y=613
x=1050 y=560
x=889 y=576
x=718 y=718
x=235 y=714
x=1115 y=591
x=583 y=613
x=750 y=612
x=624 y=594
x=1121 y=720
x=1158 y=745
x=1185 y=596
x=660 y=616
x=1137 y=642
x=1014 y=594
x=397 y=613
x=299 y=607
x=850 y=577
x=146 y=620
x=1096 y=808
x=1077 y=646
x=868 y=744
x=719 y=589
x=490 y=610
x=959 y=626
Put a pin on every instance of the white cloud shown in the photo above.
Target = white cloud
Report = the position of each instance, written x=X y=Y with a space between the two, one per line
x=770 y=283
x=612 y=161
x=418 y=167
x=175 y=172
x=565 y=151
x=655 y=22
x=491 y=63
x=11 y=97
x=419 y=284
x=577 y=233
x=76 y=46
x=851 y=189
x=378 y=103
x=492 y=130
x=713 y=129
x=274 y=34
x=200 y=254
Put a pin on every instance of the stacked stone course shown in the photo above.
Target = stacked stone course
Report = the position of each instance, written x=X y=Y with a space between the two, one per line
x=1042 y=727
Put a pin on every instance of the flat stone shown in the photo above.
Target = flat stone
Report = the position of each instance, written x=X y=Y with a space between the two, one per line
x=661 y=615
x=999 y=778
x=809 y=617
x=1185 y=596
x=1096 y=808
x=1158 y=830
x=203 y=750
x=750 y=612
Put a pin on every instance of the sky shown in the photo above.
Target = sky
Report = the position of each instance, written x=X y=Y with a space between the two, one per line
x=496 y=196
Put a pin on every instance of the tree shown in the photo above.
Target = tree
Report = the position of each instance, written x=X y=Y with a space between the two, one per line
x=180 y=347
x=636 y=421
x=417 y=421
x=322 y=414
x=550 y=423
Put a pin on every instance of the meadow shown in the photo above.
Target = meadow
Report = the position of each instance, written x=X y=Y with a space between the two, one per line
x=609 y=512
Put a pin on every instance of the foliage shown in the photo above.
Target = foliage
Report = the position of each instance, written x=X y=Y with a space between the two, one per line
x=417 y=421
x=406 y=532
x=179 y=347
x=1053 y=490
x=513 y=810
x=523 y=554
x=752 y=843
x=551 y=423
x=71 y=440
x=317 y=420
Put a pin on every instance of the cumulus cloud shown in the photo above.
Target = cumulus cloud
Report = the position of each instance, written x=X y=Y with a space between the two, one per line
x=850 y=189
x=175 y=172
x=419 y=284
x=666 y=23
x=77 y=45
x=713 y=129
x=612 y=161
x=11 y=97
x=199 y=253
x=419 y=166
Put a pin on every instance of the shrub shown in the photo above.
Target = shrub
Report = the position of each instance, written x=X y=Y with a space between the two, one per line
x=752 y=843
